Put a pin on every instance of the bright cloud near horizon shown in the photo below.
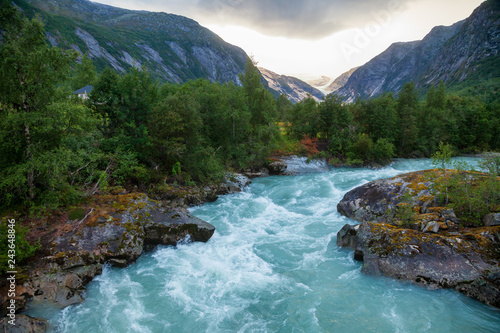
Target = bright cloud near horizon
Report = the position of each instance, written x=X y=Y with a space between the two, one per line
x=313 y=38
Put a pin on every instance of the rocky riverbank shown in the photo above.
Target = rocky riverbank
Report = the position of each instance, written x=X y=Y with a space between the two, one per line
x=432 y=249
x=114 y=229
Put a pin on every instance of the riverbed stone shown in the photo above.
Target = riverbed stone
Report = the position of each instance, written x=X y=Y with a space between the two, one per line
x=277 y=167
x=467 y=262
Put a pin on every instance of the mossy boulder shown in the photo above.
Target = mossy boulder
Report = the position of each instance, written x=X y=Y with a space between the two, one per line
x=116 y=233
x=377 y=201
x=468 y=261
x=430 y=248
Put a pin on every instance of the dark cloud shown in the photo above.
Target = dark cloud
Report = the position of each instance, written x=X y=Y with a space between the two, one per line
x=305 y=19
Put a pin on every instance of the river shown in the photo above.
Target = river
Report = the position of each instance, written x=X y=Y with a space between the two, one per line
x=271 y=266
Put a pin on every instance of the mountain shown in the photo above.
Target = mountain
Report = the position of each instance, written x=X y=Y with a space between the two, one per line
x=173 y=48
x=293 y=88
x=340 y=81
x=462 y=55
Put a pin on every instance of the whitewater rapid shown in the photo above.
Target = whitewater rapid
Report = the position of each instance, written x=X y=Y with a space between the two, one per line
x=271 y=266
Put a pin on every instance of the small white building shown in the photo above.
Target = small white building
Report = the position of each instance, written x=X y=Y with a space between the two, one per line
x=83 y=92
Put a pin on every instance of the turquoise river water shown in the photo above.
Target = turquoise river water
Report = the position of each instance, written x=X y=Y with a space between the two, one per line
x=271 y=266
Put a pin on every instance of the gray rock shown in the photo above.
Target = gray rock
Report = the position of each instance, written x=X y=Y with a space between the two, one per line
x=277 y=167
x=77 y=256
x=492 y=219
x=468 y=263
x=24 y=324
x=235 y=182
x=431 y=226
x=170 y=227
x=346 y=237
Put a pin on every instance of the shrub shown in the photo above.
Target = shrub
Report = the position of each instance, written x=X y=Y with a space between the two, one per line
x=383 y=151
x=310 y=145
x=23 y=248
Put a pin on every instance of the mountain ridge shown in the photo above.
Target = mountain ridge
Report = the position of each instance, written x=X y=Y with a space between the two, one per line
x=294 y=88
x=453 y=54
x=172 y=47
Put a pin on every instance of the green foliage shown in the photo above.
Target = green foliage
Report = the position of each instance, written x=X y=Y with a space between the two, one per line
x=404 y=212
x=84 y=74
x=362 y=148
x=383 y=151
x=472 y=196
x=23 y=248
x=176 y=169
x=491 y=164
x=442 y=156
x=304 y=119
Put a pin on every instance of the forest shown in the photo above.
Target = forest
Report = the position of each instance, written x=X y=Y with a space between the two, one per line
x=134 y=132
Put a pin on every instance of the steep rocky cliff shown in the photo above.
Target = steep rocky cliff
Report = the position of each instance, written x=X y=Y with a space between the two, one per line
x=293 y=88
x=173 y=48
x=461 y=55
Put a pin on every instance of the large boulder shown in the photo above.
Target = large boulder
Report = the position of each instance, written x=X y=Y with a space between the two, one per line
x=468 y=261
x=276 y=167
x=377 y=200
x=426 y=248
x=171 y=226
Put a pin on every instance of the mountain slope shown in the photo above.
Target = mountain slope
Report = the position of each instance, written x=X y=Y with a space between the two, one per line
x=461 y=55
x=369 y=79
x=293 y=88
x=173 y=48
x=340 y=81
x=476 y=45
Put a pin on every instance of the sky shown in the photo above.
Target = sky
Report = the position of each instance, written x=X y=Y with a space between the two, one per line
x=313 y=38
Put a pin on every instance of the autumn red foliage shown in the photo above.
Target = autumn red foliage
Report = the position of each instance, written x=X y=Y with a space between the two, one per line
x=310 y=144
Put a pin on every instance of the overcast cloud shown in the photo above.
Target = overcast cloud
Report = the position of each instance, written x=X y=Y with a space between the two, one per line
x=307 y=19
x=304 y=19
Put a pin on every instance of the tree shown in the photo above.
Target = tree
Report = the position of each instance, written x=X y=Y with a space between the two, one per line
x=262 y=108
x=85 y=73
x=30 y=70
x=407 y=106
x=305 y=118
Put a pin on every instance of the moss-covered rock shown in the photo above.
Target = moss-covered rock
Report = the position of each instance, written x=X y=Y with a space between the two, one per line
x=115 y=231
x=432 y=250
x=468 y=261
